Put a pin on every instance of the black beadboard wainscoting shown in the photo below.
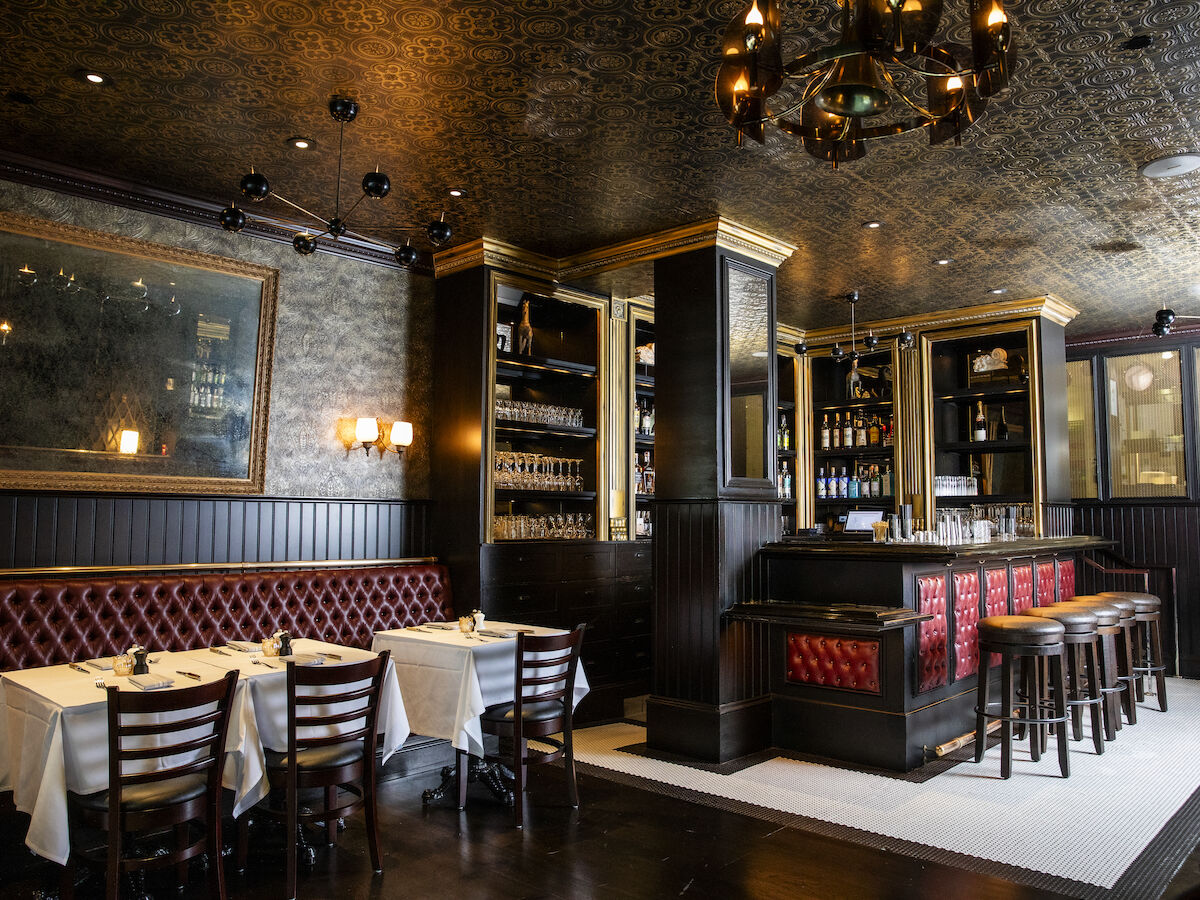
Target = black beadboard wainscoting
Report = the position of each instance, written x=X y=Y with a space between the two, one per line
x=39 y=530
x=1163 y=535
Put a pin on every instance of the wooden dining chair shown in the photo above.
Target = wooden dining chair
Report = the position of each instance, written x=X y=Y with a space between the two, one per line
x=333 y=715
x=166 y=750
x=542 y=705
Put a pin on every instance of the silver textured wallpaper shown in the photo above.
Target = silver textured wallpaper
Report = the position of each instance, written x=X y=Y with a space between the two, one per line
x=351 y=339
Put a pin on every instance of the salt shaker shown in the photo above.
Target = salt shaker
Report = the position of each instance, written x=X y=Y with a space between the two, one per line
x=478 y=616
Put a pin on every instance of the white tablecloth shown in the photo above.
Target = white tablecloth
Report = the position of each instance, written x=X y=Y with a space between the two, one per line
x=54 y=731
x=448 y=679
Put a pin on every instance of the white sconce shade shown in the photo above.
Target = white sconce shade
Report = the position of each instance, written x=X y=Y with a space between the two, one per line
x=402 y=434
x=129 y=441
x=366 y=430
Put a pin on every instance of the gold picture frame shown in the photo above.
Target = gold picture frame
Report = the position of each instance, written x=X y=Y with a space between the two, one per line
x=131 y=366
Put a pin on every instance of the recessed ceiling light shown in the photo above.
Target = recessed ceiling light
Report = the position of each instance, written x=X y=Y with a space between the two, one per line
x=998 y=291
x=457 y=192
x=873 y=224
x=301 y=143
x=97 y=79
x=1171 y=166
x=944 y=261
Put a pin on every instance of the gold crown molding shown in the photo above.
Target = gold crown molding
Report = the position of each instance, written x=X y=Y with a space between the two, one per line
x=712 y=233
x=787 y=335
x=1048 y=307
x=497 y=254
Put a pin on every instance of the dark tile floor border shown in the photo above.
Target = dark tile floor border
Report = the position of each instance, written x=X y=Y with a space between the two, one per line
x=1145 y=879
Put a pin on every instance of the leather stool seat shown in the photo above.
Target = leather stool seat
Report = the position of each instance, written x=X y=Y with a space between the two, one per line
x=1074 y=621
x=1142 y=603
x=1120 y=656
x=1125 y=606
x=1020 y=630
x=1106 y=614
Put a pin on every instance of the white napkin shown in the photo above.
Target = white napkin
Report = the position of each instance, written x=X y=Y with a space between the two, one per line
x=444 y=626
x=245 y=646
x=151 y=682
x=487 y=632
x=304 y=659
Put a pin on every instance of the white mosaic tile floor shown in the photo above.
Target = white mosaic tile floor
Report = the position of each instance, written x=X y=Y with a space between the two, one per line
x=1088 y=828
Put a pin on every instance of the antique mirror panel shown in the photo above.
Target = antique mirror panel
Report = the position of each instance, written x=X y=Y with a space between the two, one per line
x=749 y=394
x=131 y=366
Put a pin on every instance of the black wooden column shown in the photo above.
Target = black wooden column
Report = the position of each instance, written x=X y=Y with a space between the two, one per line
x=709 y=696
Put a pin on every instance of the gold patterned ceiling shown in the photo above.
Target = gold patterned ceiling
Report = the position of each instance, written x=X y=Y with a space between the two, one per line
x=573 y=125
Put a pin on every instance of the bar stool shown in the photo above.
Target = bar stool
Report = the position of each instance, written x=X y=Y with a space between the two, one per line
x=1108 y=634
x=1083 y=668
x=1025 y=639
x=1125 y=644
x=1147 y=653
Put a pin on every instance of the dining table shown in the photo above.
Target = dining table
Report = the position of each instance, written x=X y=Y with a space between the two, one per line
x=54 y=726
x=449 y=677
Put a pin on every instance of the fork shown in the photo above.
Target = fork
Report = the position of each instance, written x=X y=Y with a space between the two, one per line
x=99 y=682
x=259 y=662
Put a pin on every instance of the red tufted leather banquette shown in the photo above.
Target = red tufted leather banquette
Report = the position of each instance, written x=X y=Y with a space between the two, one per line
x=830 y=660
x=48 y=622
x=932 y=638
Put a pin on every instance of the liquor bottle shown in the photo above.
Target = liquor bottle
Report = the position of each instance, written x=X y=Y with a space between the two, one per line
x=843 y=484
x=639 y=479
x=979 y=432
x=787 y=436
x=873 y=432
x=854 y=389
x=854 y=486
x=825 y=438
x=837 y=431
x=648 y=474
x=885 y=484
x=787 y=482
x=848 y=433
x=860 y=431
x=648 y=419
x=1002 y=428
x=637 y=418
x=821 y=483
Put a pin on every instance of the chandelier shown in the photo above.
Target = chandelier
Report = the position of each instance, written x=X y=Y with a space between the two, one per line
x=843 y=95
x=905 y=339
x=375 y=186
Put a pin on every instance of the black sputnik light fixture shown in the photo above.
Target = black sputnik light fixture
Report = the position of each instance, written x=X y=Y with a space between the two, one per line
x=375 y=186
x=1164 y=319
x=870 y=342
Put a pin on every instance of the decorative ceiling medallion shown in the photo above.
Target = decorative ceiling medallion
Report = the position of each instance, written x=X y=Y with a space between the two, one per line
x=844 y=93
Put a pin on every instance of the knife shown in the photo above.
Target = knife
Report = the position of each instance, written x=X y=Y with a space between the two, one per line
x=192 y=675
x=329 y=655
x=78 y=668
x=215 y=650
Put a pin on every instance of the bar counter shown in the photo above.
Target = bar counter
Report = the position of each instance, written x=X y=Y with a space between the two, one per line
x=873 y=646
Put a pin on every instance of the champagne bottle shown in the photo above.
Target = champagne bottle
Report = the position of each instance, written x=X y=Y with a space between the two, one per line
x=825 y=438
x=1002 y=428
x=979 y=432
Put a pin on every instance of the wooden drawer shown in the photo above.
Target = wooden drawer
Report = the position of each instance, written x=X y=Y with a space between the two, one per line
x=634 y=558
x=634 y=592
x=528 y=604
x=522 y=563
x=586 y=561
x=584 y=595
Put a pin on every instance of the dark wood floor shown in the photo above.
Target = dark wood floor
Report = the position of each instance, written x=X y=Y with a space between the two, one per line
x=622 y=843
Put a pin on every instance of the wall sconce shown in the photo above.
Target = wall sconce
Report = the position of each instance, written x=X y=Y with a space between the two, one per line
x=129 y=442
x=368 y=432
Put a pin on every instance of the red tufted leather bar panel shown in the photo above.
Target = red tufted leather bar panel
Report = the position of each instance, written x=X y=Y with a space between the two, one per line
x=1066 y=579
x=1022 y=596
x=932 y=662
x=48 y=622
x=849 y=663
x=966 y=624
x=1045 y=583
x=995 y=601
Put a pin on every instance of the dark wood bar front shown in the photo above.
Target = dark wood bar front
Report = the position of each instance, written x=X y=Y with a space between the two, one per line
x=872 y=649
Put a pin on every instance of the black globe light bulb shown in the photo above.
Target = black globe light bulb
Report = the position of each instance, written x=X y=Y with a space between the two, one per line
x=255 y=186
x=1165 y=316
x=1160 y=329
x=343 y=109
x=855 y=356
x=438 y=231
x=907 y=339
x=337 y=227
x=304 y=243
x=801 y=348
x=870 y=341
x=406 y=255
x=837 y=352
x=232 y=219
x=376 y=185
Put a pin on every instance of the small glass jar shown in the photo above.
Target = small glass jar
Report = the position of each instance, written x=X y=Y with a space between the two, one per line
x=270 y=646
x=122 y=664
x=466 y=624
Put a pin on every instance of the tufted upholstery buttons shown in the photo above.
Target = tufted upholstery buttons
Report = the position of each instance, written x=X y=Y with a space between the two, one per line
x=57 y=621
x=932 y=638
x=841 y=662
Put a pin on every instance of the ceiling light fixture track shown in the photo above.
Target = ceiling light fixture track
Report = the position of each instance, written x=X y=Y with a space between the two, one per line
x=375 y=186
x=886 y=48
